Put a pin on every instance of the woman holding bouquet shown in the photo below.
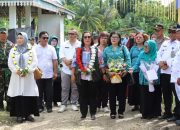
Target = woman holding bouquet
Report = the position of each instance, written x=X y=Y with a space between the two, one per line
x=22 y=87
x=150 y=90
x=117 y=61
x=134 y=90
x=86 y=61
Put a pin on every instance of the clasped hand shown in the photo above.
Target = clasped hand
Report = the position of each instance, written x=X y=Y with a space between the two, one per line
x=20 y=73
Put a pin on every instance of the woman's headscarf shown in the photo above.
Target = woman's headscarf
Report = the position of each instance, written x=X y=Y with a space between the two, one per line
x=22 y=49
x=152 y=54
x=56 y=47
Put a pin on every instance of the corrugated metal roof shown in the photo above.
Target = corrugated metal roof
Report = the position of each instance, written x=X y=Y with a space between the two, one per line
x=51 y=5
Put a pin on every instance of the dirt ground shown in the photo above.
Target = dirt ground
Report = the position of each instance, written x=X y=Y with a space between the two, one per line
x=70 y=120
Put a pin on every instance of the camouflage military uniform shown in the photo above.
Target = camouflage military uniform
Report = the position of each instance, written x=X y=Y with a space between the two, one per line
x=5 y=73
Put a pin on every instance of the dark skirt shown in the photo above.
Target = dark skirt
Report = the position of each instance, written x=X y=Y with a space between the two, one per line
x=150 y=101
x=23 y=106
x=134 y=91
x=57 y=90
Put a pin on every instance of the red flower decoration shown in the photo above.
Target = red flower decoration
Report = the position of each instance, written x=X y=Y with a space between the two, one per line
x=79 y=59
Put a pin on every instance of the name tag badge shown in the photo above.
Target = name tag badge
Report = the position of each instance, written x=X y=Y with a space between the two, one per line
x=172 y=54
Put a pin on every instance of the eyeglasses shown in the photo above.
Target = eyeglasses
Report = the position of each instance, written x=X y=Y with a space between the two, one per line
x=114 y=37
x=139 y=37
x=71 y=34
x=45 y=38
x=85 y=37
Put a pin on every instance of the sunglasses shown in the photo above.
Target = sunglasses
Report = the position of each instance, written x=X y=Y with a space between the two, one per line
x=85 y=37
x=44 y=38
x=171 y=31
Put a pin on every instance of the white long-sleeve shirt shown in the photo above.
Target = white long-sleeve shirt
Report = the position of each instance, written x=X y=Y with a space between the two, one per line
x=167 y=52
x=176 y=68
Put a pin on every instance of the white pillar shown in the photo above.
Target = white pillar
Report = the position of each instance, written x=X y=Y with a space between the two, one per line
x=61 y=29
x=12 y=17
x=39 y=20
x=28 y=16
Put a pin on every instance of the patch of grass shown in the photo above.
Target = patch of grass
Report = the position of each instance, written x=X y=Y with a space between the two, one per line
x=5 y=119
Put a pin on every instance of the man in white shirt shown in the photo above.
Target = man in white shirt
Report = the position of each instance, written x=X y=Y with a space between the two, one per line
x=67 y=51
x=165 y=56
x=47 y=62
x=175 y=77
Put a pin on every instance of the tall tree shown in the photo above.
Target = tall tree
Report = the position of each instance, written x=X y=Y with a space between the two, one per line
x=88 y=17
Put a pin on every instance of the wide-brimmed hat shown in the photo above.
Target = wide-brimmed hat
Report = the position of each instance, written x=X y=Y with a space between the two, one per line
x=3 y=30
x=172 y=29
x=158 y=27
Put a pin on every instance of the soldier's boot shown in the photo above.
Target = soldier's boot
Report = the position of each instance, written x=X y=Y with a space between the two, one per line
x=1 y=101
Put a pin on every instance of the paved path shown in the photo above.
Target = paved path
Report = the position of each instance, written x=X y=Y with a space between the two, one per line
x=70 y=120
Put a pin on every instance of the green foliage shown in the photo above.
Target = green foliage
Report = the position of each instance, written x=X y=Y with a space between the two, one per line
x=117 y=15
x=88 y=17
x=4 y=23
x=69 y=25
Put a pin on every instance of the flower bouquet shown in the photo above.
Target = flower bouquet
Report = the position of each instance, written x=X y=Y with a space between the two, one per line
x=115 y=68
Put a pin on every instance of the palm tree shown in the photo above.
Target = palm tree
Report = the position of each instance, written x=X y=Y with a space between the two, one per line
x=109 y=14
x=88 y=17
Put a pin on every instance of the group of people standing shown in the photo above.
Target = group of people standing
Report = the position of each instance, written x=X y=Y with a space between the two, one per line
x=81 y=72
x=158 y=56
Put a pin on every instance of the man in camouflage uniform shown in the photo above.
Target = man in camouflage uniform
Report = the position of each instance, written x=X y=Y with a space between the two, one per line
x=5 y=73
x=159 y=32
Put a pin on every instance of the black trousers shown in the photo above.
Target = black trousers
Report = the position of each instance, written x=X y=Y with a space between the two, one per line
x=168 y=89
x=87 y=96
x=4 y=83
x=117 y=91
x=134 y=91
x=150 y=101
x=45 y=87
x=102 y=93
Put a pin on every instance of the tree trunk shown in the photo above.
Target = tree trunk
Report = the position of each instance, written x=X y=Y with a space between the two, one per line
x=100 y=4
